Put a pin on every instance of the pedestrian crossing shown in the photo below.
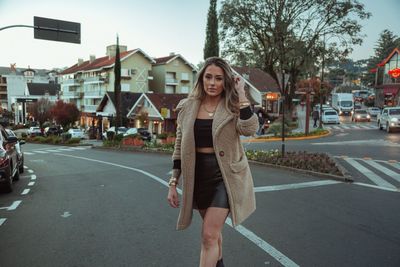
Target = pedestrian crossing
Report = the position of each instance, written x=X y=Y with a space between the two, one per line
x=351 y=127
x=378 y=173
x=55 y=150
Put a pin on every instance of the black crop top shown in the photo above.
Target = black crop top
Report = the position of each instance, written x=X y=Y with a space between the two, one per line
x=203 y=133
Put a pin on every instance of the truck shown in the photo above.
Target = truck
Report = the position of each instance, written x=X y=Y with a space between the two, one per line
x=343 y=103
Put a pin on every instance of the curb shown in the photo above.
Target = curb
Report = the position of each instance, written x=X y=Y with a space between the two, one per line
x=345 y=178
x=273 y=139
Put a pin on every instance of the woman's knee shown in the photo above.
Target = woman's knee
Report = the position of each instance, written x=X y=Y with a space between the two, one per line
x=210 y=238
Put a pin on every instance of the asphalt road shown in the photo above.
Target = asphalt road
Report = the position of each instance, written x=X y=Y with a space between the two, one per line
x=92 y=207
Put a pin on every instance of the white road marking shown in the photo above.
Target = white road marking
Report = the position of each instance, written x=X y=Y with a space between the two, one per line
x=285 y=261
x=396 y=165
x=2 y=220
x=41 y=151
x=66 y=214
x=276 y=254
x=371 y=175
x=30 y=171
x=25 y=192
x=28 y=153
x=378 y=187
x=383 y=169
x=31 y=183
x=25 y=167
x=14 y=205
x=53 y=150
x=65 y=149
x=294 y=186
x=33 y=177
x=78 y=148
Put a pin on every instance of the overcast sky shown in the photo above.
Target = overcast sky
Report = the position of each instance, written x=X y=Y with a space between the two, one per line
x=158 y=27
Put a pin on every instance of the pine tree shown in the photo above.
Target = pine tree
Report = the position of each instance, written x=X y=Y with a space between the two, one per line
x=211 y=47
x=117 y=87
x=386 y=43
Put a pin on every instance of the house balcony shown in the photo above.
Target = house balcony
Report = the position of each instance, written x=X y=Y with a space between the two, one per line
x=3 y=90
x=71 y=82
x=70 y=95
x=95 y=94
x=169 y=81
x=97 y=79
x=89 y=108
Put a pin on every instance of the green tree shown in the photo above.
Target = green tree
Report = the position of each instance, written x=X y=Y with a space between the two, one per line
x=289 y=35
x=386 y=43
x=211 y=47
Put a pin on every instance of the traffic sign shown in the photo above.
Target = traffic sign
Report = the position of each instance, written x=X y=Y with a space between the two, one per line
x=57 y=30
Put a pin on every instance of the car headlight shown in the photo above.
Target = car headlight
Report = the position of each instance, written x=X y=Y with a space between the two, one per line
x=358 y=116
x=368 y=116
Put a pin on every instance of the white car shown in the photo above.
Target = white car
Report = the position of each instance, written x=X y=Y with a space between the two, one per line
x=374 y=111
x=76 y=133
x=330 y=116
x=121 y=130
x=34 y=131
x=389 y=119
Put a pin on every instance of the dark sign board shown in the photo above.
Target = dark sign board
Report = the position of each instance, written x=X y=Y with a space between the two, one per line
x=57 y=30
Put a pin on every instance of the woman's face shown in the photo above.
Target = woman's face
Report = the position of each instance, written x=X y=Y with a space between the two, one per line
x=213 y=80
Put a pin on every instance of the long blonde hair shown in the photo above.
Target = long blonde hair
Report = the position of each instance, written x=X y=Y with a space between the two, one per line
x=229 y=94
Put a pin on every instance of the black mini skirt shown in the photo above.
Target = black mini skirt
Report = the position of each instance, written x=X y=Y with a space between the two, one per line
x=209 y=187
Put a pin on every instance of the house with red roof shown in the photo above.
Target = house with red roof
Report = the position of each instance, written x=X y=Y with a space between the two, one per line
x=172 y=75
x=86 y=82
x=387 y=80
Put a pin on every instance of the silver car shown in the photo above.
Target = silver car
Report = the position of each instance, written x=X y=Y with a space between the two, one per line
x=374 y=111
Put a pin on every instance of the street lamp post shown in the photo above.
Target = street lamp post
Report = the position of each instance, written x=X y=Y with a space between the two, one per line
x=283 y=114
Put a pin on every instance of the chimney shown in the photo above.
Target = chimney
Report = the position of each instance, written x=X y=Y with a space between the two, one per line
x=92 y=58
x=172 y=54
x=80 y=61
x=111 y=49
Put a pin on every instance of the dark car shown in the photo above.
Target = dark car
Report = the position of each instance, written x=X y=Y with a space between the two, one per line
x=53 y=130
x=9 y=169
x=20 y=153
x=144 y=134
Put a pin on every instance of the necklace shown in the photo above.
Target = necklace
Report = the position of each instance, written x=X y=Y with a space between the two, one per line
x=210 y=113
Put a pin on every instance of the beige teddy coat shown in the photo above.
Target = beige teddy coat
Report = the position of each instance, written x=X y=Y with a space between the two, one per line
x=226 y=131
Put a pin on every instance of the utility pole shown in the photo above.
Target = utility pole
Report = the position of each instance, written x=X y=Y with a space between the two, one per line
x=321 y=87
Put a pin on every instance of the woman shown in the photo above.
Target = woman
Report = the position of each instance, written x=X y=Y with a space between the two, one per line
x=208 y=152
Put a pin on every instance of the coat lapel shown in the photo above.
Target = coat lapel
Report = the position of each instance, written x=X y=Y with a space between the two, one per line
x=221 y=117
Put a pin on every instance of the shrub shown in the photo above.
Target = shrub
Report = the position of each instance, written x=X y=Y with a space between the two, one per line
x=162 y=136
x=65 y=137
x=72 y=141
x=318 y=162
x=119 y=137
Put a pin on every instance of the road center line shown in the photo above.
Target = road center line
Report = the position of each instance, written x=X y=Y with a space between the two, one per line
x=33 y=177
x=2 y=220
x=294 y=186
x=14 y=205
x=25 y=192
x=277 y=255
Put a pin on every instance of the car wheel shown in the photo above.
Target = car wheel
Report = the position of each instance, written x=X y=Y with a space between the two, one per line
x=16 y=175
x=8 y=184
x=388 y=128
x=380 y=126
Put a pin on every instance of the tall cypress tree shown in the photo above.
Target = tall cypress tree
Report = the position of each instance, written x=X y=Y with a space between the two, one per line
x=211 y=47
x=117 y=87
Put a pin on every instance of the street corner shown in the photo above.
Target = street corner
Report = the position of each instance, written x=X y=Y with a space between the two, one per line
x=294 y=138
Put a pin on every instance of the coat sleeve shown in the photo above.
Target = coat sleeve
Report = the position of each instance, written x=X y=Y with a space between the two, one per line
x=247 y=127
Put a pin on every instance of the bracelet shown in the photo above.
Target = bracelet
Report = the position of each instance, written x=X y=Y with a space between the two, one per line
x=244 y=104
x=173 y=181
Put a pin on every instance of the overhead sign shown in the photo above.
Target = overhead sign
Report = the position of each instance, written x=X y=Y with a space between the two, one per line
x=57 y=30
x=394 y=73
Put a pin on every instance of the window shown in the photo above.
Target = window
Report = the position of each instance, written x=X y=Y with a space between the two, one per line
x=185 y=76
x=125 y=72
x=184 y=89
x=169 y=89
x=125 y=87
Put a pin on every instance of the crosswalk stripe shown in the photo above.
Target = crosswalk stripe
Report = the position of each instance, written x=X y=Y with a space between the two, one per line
x=29 y=153
x=371 y=175
x=396 y=165
x=65 y=149
x=41 y=151
x=52 y=150
x=78 y=148
x=345 y=127
x=383 y=169
x=2 y=220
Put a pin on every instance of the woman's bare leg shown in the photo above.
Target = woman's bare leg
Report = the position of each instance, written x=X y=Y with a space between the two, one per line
x=202 y=214
x=213 y=222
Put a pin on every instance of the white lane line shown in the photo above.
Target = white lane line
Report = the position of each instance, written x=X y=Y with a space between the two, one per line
x=30 y=171
x=41 y=152
x=370 y=175
x=285 y=261
x=25 y=192
x=33 y=177
x=29 y=153
x=383 y=169
x=14 y=205
x=2 y=220
x=31 y=183
x=294 y=186
x=78 y=148
x=64 y=149
x=52 y=150
x=276 y=254
x=378 y=187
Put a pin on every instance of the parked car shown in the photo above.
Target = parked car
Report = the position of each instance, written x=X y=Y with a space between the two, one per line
x=374 y=111
x=360 y=115
x=142 y=132
x=9 y=169
x=34 y=131
x=20 y=153
x=330 y=116
x=389 y=118
x=76 y=133
x=121 y=130
x=52 y=130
